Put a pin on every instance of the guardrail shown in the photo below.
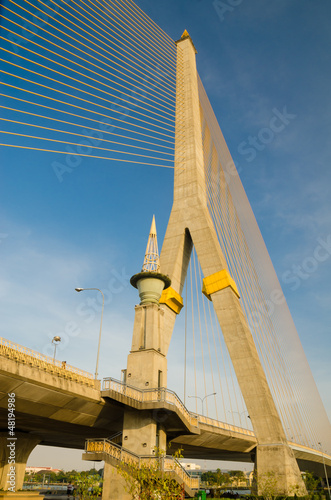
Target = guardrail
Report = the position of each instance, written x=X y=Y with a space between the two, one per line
x=149 y=396
x=165 y=463
x=33 y=358
x=163 y=394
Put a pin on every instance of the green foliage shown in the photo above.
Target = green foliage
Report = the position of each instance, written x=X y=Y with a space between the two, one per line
x=312 y=482
x=148 y=481
x=60 y=477
x=267 y=485
x=218 y=478
x=86 y=484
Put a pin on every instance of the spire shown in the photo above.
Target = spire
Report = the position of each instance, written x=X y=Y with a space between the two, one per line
x=150 y=282
x=152 y=260
x=184 y=36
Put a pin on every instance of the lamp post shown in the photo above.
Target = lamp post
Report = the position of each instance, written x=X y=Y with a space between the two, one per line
x=325 y=471
x=55 y=340
x=202 y=399
x=103 y=305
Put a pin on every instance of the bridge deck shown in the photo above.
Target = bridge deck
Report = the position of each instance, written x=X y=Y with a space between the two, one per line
x=64 y=412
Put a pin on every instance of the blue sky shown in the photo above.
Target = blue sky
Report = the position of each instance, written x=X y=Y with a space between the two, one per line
x=90 y=230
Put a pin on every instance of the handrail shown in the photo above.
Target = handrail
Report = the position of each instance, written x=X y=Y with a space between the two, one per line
x=26 y=355
x=150 y=395
x=164 y=394
x=168 y=463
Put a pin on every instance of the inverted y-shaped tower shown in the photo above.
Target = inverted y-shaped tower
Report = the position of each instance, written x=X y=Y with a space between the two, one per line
x=190 y=223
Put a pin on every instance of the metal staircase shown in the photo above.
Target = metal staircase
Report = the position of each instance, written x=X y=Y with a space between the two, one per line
x=104 y=449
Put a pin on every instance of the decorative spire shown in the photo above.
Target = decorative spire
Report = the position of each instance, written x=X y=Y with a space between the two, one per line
x=152 y=260
x=150 y=282
x=185 y=34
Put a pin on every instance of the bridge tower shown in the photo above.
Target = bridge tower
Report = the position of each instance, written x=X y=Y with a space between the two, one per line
x=190 y=224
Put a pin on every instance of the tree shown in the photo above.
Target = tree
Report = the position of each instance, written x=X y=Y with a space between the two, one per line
x=311 y=481
x=266 y=484
x=87 y=486
x=209 y=477
x=237 y=477
x=147 y=481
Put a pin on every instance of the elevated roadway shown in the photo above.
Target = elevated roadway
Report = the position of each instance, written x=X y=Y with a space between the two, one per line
x=60 y=406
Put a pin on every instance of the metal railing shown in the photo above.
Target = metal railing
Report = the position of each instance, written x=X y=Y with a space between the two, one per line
x=33 y=358
x=150 y=396
x=165 y=395
x=165 y=463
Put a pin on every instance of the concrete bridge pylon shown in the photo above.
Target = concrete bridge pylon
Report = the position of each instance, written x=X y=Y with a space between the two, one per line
x=191 y=224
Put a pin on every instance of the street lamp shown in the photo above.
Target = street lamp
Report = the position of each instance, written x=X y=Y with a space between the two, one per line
x=325 y=471
x=202 y=399
x=55 y=340
x=103 y=304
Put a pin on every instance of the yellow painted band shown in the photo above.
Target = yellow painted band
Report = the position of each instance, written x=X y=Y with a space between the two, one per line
x=172 y=299
x=218 y=281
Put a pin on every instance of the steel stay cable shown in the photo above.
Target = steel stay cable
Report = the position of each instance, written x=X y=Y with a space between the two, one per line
x=216 y=355
x=75 y=144
x=232 y=380
x=137 y=11
x=74 y=105
x=79 y=90
x=211 y=157
x=266 y=359
x=78 y=125
x=116 y=44
x=282 y=373
x=164 y=94
x=78 y=72
x=67 y=35
x=83 y=83
x=74 y=114
x=140 y=26
x=223 y=198
x=271 y=346
x=207 y=334
x=156 y=48
x=82 y=135
x=193 y=336
x=200 y=330
x=85 y=155
x=218 y=329
x=238 y=276
x=74 y=24
x=223 y=363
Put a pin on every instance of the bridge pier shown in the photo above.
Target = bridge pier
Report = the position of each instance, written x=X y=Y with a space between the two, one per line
x=276 y=472
x=114 y=485
x=14 y=453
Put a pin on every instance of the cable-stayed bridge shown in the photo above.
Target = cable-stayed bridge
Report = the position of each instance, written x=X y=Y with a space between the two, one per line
x=102 y=80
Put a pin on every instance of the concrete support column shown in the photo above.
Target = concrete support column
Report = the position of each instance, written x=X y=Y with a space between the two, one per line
x=114 y=485
x=14 y=453
x=146 y=369
x=276 y=472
